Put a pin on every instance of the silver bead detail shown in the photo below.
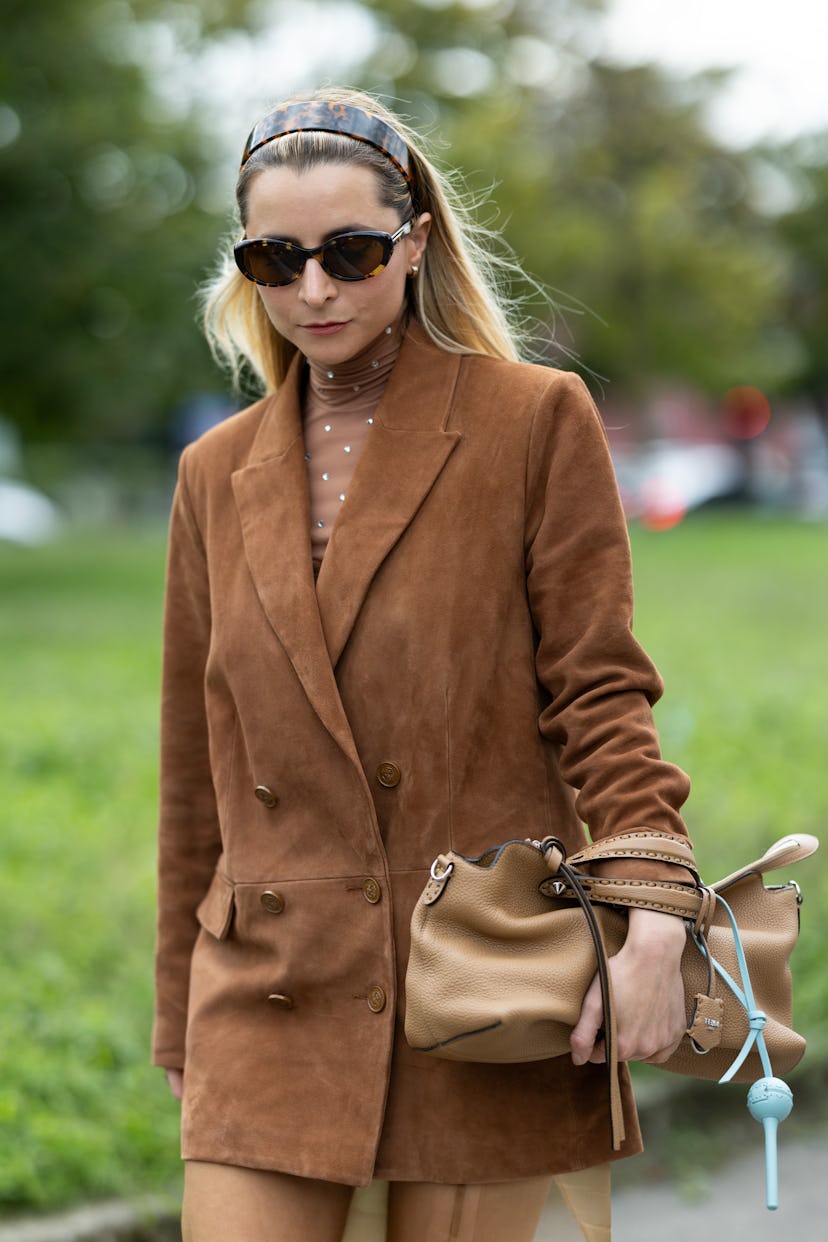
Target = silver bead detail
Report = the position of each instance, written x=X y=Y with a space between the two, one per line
x=388 y=331
x=326 y=476
x=320 y=523
x=375 y=363
x=330 y=374
x=370 y=422
x=357 y=387
x=347 y=448
x=327 y=426
x=341 y=495
x=307 y=457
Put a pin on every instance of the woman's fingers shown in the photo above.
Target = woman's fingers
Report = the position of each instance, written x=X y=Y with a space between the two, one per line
x=587 y=1034
x=175 y=1079
x=648 y=996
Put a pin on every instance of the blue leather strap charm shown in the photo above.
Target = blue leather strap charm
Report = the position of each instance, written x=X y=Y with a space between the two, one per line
x=769 y=1100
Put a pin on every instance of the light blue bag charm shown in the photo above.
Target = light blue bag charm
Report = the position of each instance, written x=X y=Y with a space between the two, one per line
x=769 y=1100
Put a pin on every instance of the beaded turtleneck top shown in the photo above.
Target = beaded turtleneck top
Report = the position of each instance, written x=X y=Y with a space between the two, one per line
x=339 y=409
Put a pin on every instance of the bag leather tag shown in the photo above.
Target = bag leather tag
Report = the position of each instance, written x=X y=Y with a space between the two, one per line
x=706 y=1028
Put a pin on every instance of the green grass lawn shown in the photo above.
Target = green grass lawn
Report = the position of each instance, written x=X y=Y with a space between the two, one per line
x=733 y=610
x=81 y=1113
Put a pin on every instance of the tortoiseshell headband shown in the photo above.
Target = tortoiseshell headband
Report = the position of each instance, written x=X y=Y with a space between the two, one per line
x=331 y=118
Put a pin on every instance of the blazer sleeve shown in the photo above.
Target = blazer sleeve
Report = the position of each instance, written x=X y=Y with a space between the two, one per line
x=600 y=684
x=189 y=839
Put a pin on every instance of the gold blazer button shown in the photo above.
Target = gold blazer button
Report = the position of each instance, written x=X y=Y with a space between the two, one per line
x=376 y=999
x=274 y=903
x=388 y=774
x=266 y=796
x=371 y=890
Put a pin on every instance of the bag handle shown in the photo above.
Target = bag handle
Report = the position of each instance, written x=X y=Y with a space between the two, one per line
x=786 y=850
x=643 y=844
x=683 y=900
x=686 y=901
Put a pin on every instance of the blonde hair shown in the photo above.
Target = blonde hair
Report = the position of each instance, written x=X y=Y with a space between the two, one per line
x=459 y=297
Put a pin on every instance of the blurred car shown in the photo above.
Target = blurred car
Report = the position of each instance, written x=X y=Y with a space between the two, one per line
x=665 y=480
x=26 y=515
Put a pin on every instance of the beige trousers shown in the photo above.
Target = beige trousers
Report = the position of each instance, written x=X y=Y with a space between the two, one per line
x=223 y=1202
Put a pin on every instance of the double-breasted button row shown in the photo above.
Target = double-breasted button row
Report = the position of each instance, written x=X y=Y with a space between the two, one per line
x=388 y=774
x=274 y=903
x=376 y=999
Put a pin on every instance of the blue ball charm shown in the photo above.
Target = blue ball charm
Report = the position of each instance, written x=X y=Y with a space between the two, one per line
x=770 y=1100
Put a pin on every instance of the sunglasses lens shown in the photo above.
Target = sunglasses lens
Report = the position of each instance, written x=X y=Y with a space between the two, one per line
x=270 y=262
x=356 y=255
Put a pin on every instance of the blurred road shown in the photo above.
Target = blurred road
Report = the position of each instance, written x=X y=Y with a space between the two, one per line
x=731 y=1206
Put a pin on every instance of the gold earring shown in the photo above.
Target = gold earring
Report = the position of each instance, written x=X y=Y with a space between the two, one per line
x=413 y=270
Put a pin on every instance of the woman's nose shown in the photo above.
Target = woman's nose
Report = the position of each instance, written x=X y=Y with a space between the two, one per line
x=315 y=285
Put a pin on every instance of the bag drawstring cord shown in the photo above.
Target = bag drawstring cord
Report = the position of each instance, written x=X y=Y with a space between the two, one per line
x=553 y=853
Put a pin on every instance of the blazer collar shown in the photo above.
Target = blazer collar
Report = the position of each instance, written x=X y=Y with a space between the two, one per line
x=403 y=455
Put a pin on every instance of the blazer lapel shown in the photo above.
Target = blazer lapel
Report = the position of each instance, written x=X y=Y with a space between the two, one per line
x=272 y=499
x=403 y=455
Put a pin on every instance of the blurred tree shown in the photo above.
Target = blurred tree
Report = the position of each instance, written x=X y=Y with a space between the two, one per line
x=804 y=230
x=655 y=226
x=609 y=186
x=612 y=187
x=104 y=233
x=437 y=53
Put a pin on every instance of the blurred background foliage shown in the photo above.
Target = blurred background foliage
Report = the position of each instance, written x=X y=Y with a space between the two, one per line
x=680 y=259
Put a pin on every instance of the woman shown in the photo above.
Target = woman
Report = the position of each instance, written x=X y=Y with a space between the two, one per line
x=397 y=622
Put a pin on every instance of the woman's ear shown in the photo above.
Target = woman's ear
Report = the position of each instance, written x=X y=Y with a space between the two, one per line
x=417 y=239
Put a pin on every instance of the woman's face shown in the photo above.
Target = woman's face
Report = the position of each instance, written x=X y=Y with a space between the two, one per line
x=330 y=320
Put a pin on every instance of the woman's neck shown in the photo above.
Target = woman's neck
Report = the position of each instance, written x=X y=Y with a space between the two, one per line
x=339 y=410
x=361 y=379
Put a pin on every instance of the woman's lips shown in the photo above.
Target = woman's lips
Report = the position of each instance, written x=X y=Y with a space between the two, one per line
x=323 y=329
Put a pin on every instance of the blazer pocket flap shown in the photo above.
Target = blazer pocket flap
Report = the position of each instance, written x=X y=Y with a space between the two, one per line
x=215 y=913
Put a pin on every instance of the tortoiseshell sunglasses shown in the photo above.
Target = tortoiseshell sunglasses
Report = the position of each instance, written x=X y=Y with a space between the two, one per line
x=348 y=256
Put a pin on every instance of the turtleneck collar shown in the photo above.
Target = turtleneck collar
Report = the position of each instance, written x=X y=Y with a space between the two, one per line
x=362 y=376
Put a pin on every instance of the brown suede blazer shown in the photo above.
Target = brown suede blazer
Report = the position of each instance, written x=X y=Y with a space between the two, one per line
x=462 y=673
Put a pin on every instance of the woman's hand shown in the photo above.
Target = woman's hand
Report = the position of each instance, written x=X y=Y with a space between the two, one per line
x=648 y=994
x=175 y=1079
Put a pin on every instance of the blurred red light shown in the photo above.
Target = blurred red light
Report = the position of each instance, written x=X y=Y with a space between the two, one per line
x=662 y=507
x=746 y=412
